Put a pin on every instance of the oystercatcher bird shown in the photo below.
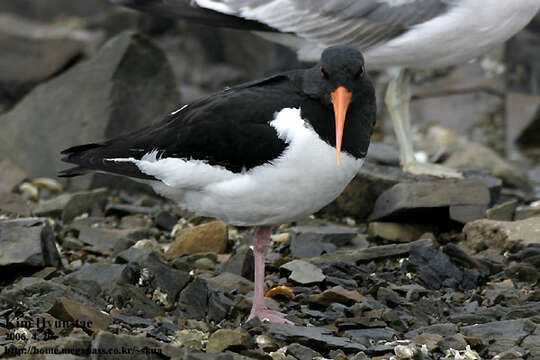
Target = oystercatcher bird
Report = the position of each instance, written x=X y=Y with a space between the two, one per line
x=393 y=34
x=257 y=154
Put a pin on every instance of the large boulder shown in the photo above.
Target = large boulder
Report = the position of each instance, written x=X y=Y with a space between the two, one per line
x=126 y=85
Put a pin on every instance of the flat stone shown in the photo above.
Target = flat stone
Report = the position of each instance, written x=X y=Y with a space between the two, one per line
x=382 y=153
x=337 y=235
x=104 y=275
x=318 y=338
x=69 y=310
x=303 y=272
x=501 y=335
x=106 y=340
x=359 y=197
x=209 y=237
x=302 y=352
x=408 y=200
x=129 y=66
x=28 y=242
x=70 y=205
x=371 y=253
x=337 y=294
x=456 y=341
x=225 y=339
x=397 y=231
x=367 y=337
x=103 y=240
x=39 y=295
x=483 y=234
x=503 y=212
x=428 y=339
x=228 y=281
x=477 y=156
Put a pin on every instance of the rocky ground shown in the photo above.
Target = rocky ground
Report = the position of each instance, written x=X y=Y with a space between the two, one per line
x=397 y=267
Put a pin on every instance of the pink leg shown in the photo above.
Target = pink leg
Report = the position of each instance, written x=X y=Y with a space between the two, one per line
x=260 y=241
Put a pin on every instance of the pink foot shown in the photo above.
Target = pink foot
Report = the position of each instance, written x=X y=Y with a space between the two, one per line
x=269 y=315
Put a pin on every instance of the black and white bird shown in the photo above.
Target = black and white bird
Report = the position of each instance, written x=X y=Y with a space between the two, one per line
x=393 y=34
x=258 y=154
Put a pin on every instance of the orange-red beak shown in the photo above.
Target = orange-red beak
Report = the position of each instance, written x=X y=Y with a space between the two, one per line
x=341 y=99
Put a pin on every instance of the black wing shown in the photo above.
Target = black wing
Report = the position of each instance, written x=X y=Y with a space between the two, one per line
x=229 y=129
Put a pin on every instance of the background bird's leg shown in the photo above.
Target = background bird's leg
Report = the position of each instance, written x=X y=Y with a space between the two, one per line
x=260 y=243
x=398 y=99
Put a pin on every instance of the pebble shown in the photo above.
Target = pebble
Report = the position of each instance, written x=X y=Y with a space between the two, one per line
x=302 y=272
x=209 y=237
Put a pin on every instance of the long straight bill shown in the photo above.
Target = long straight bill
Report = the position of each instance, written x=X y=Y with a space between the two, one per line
x=341 y=98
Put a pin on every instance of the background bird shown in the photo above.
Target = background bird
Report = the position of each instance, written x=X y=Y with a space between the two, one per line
x=393 y=34
x=257 y=154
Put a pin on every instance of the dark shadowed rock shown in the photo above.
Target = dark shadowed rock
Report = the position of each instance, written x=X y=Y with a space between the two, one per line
x=38 y=51
x=360 y=195
x=429 y=200
x=54 y=8
x=106 y=340
x=28 y=242
x=241 y=263
x=436 y=271
x=104 y=275
x=126 y=85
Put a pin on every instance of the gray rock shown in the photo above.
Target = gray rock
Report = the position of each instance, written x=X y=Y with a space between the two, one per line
x=126 y=85
x=106 y=340
x=105 y=275
x=38 y=51
x=302 y=352
x=443 y=329
x=483 y=234
x=303 y=272
x=360 y=195
x=318 y=338
x=28 y=242
x=228 y=281
x=132 y=254
x=436 y=271
x=429 y=200
x=396 y=231
x=382 y=153
x=104 y=241
x=372 y=253
x=38 y=295
x=503 y=212
x=53 y=8
x=501 y=335
x=337 y=235
x=366 y=337
x=70 y=205
x=241 y=263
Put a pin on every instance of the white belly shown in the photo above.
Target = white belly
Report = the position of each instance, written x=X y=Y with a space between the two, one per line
x=303 y=180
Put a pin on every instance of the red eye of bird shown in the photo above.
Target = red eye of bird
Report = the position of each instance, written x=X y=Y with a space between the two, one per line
x=324 y=74
x=361 y=72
